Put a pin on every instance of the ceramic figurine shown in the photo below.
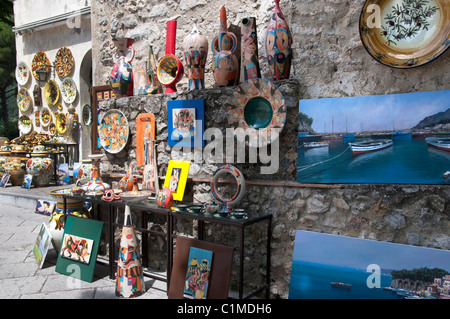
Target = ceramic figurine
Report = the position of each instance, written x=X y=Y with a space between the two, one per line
x=40 y=165
x=278 y=45
x=195 y=52
x=126 y=182
x=95 y=186
x=249 y=51
x=170 y=69
x=71 y=124
x=121 y=78
x=225 y=65
x=129 y=277
x=37 y=96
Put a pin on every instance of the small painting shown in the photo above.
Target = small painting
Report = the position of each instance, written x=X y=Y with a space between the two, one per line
x=28 y=178
x=4 y=180
x=45 y=207
x=186 y=122
x=42 y=244
x=176 y=178
x=76 y=248
x=63 y=174
x=198 y=273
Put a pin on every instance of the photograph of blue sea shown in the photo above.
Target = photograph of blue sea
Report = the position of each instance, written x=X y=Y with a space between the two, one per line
x=397 y=138
x=326 y=266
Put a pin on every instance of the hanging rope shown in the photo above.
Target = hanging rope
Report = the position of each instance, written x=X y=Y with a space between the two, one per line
x=318 y=163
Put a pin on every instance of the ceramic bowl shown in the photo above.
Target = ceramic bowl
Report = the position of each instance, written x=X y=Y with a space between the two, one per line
x=223 y=214
x=182 y=208
x=239 y=213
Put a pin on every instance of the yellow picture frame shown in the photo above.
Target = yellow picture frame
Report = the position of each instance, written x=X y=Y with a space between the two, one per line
x=176 y=178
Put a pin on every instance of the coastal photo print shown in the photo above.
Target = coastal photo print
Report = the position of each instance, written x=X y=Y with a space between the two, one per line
x=396 y=138
x=326 y=266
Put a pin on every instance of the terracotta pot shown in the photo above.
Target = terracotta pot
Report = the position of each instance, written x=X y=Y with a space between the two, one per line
x=195 y=52
x=121 y=78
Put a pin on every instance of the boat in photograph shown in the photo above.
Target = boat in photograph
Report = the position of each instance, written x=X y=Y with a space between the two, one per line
x=369 y=146
x=316 y=144
x=442 y=143
x=341 y=285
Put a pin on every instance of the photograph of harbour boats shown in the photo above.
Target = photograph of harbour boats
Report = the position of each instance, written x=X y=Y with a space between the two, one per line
x=326 y=266
x=395 y=138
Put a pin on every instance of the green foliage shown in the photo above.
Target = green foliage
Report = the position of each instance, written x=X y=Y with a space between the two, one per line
x=423 y=274
x=305 y=119
x=9 y=130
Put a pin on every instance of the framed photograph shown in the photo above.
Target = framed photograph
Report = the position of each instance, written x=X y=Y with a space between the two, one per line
x=45 y=207
x=198 y=273
x=186 y=123
x=43 y=242
x=176 y=178
x=28 y=178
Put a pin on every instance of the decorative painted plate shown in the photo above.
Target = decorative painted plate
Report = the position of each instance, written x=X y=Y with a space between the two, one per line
x=61 y=123
x=51 y=92
x=39 y=60
x=22 y=73
x=24 y=100
x=64 y=62
x=259 y=105
x=86 y=114
x=45 y=116
x=113 y=131
x=68 y=90
x=405 y=33
x=25 y=124
x=52 y=129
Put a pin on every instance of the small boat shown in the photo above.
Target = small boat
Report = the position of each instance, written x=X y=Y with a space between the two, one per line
x=369 y=146
x=442 y=143
x=316 y=144
x=341 y=285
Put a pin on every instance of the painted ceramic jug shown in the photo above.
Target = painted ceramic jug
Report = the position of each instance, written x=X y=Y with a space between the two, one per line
x=278 y=45
x=121 y=78
x=95 y=186
x=225 y=64
x=164 y=198
x=16 y=163
x=195 y=52
x=249 y=50
x=126 y=182
x=72 y=124
x=129 y=277
x=40 y=165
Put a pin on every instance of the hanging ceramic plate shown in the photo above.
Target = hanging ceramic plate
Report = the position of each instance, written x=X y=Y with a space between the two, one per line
x=64 y=62
x=68 y=90
x=22 y=73
x=259 y=105
x=86 y=114
x=39 y=60
x=25 y=124
x=61 y=123
x=51 y=92
x=24 y=100
x=405 y=33
x=113 y=131
x=52 y=129
x=45 y=116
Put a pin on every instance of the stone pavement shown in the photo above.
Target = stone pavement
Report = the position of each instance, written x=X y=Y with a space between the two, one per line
x=20 y=277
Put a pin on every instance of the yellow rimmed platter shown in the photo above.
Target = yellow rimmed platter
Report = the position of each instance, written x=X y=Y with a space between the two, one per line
x=51 y=92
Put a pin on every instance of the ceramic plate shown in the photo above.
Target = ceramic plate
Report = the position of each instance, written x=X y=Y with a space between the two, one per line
x=86 y=114
x=405 y=33
x=25 y=124
x=52 y=129
x=23 y=100
x=259 y=105
x=64 y=62
x=22 y=73
x=45 y=116
x=113 y=131
x=68 y=90
x=61 y=124
x=39 y=60
x=51 y=92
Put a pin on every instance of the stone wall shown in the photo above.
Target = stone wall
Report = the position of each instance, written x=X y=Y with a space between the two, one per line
x=329 y=61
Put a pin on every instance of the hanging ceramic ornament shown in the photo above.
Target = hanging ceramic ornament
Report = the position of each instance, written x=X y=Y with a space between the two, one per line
x=195 y=52
x=121 y=78
x=249 y=51
x=225 y=65
x=129 y=278
x=278 y=45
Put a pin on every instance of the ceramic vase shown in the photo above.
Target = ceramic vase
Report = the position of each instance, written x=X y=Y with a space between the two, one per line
x=121 y=77
x=126 y=182
x=249 y=50
x=170 y=69
x=15 y=166
x=129 y=278
x=72 y=124
x=154 y=86
x=278 y=45
x=164 y=198
x=40 y=165
x=95 y=186
x=150 y=180
x=225 y=64
x=195 y=53
x=5 y=151
x=84 y=172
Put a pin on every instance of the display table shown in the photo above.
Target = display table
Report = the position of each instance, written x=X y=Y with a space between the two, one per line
x=148 y=208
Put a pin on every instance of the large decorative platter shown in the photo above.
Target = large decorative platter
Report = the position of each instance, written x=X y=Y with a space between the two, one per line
x=68 y=90
x=39 y=60
x=259 y=105
x=64 y=62
x=61 y=123
x=25 y=124
x=405 y=33
x=51 y=92
x=45 y=116
x=24 y=100
x=22 y=73
x=86 y=114
x=113 y=131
